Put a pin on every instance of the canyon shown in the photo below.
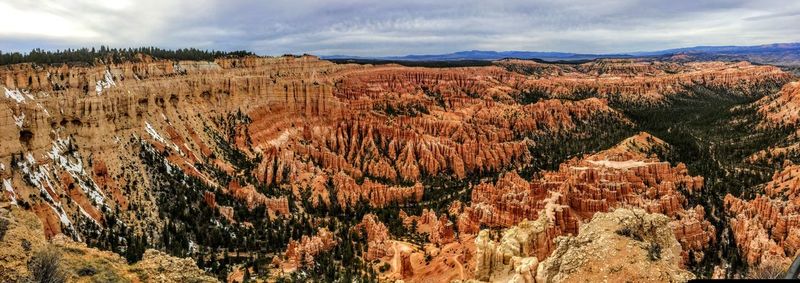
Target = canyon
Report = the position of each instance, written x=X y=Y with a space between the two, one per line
x=296 y=168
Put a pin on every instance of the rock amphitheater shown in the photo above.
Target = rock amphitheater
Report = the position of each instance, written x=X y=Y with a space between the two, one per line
x=310 y=140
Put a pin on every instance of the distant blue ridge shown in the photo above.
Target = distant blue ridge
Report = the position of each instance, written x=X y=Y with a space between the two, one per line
x=784 y=50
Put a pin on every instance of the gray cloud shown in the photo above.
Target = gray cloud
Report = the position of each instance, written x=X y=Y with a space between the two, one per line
x=365 y=27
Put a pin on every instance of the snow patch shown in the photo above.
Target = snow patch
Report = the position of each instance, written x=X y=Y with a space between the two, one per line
x=61 y=215
x=43 y=109
x=152 y=131
x=283 y=138
x=39 y=177
x=105 y=83
x=17 y=95
x=10 y=190
x=74 y=166
x=154 y=134
x=86 y=214
x=19 y=120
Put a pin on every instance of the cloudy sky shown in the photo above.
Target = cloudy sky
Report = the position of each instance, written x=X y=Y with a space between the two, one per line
x=383 y=27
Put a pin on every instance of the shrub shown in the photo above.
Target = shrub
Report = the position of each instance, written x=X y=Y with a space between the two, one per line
x=87 y=271
x=383 y=268
x=26 y=245
x=628 y=232
x=654 y=251
x=766 y=271
x=3 y=228
x=45 y=267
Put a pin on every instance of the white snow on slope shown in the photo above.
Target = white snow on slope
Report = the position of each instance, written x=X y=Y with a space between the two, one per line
x=105 y=83
x=43 y=109
x=10 y=190
x=19 y=120
x=15 y=95
x=74 y=166
x=152 y=131
x=40 y=178
x=156 y=136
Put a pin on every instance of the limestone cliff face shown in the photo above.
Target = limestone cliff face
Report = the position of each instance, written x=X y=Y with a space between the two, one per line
x=114 y=98
x=766 y=229
x=69 y=146
x=599 y=252
x=782 y=109
x=377 y=235
x=645 y=82
x=622 y=176
x=515 y=257
x=302 y=252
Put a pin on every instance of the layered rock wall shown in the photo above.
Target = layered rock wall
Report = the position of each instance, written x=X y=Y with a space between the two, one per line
x=767 y=228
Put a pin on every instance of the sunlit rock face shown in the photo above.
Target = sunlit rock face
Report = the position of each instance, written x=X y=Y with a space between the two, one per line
x=783 y=108
x=623 y=176
x=765 y=228
x=637 y=82
x=71 y=137
x=598 y=251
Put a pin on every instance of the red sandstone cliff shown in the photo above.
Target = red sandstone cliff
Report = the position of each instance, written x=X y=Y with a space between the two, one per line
x=302 y=252
x=377 y=235
x=766 y=229
x=619 y=177
x=782 y=108
x=644 y=82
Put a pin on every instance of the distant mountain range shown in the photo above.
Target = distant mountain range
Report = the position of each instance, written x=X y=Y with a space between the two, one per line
x=787 y=54
x=488 y=55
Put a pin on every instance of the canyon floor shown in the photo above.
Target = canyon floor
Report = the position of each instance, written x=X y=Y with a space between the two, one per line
x=283 y=169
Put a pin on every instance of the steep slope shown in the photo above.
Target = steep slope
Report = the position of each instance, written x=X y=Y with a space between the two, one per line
x=765 y=228
x=23 y=242
x=763 y=224
x=623 y=245
x=623 y=176
x=782 y=109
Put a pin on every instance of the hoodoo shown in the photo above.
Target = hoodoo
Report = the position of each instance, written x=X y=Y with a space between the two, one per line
x=171 y=166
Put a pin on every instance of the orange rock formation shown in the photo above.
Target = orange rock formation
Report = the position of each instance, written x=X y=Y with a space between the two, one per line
x=377 y=235
x=303 y=251
x=619 y=177
x=767 y=228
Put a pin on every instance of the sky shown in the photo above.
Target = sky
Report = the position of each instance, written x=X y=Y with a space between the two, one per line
x=384 y=27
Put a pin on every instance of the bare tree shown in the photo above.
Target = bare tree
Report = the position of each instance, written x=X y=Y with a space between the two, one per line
x=766 y=271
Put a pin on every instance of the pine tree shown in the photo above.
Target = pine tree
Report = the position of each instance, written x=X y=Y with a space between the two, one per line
x=246 y=277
